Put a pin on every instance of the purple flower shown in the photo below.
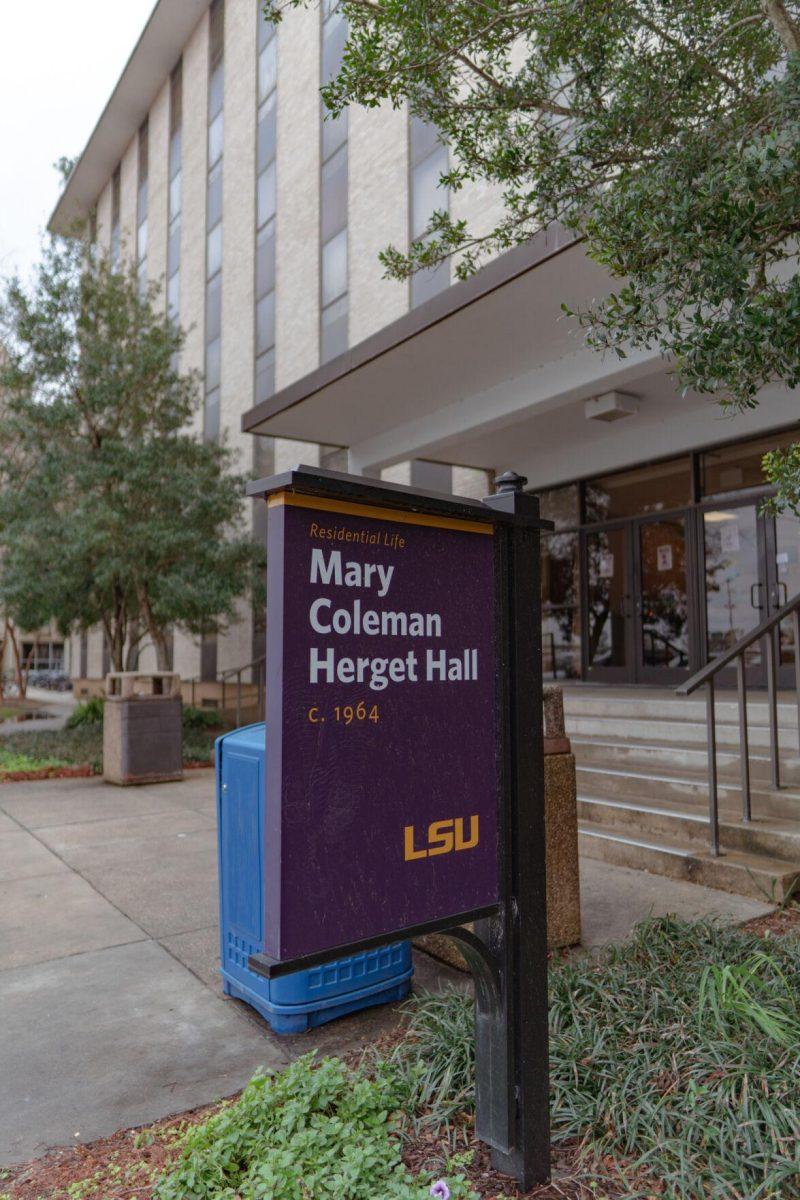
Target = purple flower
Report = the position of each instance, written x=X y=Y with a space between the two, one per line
x=440 y=1190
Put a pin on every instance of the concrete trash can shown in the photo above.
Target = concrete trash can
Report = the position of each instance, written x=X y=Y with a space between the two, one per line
x=142 y=727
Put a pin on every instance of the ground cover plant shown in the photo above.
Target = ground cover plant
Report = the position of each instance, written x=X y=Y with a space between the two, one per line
x=323 y=1132
x=90 y=712
x=33 y=750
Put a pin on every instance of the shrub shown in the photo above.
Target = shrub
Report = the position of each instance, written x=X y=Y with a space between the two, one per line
x=324 y=1132
x=88 y=713
x=11 y=760
x=201 y=718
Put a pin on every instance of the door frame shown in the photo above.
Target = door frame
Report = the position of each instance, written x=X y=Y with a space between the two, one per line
x=635 y=671
x=756 y=675
x=669 y=676
x=606 y=674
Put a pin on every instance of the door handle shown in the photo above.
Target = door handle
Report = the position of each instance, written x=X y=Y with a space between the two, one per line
x=753 y=604
x=782 y=584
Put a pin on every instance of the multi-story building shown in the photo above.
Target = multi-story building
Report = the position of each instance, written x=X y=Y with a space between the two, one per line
x=214 y=167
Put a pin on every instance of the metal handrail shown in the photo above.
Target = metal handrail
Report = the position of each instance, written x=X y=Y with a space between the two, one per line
x=707 y=675
x=237 y=672
x=224 y=676
x=666 y=642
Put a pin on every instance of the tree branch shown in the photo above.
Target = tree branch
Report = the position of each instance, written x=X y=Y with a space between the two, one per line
x=786 y=29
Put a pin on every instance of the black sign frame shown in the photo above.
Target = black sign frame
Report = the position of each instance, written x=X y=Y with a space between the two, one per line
x=507 y=951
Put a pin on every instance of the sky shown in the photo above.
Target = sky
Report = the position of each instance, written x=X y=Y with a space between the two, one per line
x=59 y=63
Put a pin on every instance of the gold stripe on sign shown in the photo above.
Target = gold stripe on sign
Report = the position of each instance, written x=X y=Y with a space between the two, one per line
x=299 y=500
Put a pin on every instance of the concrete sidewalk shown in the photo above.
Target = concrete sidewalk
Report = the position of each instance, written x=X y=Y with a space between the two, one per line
x=111 y=1007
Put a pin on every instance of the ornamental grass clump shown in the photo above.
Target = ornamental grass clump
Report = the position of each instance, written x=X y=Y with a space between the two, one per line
x=323 y=1132
x=681 y=1051
x=676 y=1053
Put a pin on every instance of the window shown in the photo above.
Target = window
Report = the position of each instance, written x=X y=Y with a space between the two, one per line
x=175 y=194
x=561 y=506
x=141 y=208
x=334 y=300
x=216 y=133
x=43 y=656
x=429 y=160
x=657 y=487
x=266 y=205
x=561 y=625
x=115 y=206
x=733 y=468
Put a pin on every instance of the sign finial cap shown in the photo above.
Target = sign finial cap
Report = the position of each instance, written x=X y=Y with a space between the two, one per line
x=509 y=481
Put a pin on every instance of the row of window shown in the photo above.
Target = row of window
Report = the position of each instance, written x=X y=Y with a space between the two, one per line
x=266 y=202
x=334 y=298
x=175 y=200
x=428 y=160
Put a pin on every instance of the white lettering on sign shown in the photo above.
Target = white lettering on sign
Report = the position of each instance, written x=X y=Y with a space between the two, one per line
x=329 y=569
x=349 y=574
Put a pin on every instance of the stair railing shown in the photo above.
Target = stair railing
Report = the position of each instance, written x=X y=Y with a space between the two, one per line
x=707 y=676
x=258 y=668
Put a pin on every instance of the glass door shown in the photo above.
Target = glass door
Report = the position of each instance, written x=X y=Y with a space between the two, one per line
x=735 y=582
x=608 y=607
x=783 y=583
x=662 y=625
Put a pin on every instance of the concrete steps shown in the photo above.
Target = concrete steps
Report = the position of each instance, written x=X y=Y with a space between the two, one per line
x=662 y=756
x=770 y=880
x=643 y=790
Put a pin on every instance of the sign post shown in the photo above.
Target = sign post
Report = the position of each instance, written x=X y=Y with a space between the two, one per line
x=404 y=766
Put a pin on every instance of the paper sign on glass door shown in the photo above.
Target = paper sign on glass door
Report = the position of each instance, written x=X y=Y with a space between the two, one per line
x=729 y=537
x=606 y=570
x=664 y=558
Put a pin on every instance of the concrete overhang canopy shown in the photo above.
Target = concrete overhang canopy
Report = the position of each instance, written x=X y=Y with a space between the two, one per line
x=154 y=57
x=502 y=324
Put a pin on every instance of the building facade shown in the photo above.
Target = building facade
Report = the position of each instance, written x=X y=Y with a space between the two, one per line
x=215 y=167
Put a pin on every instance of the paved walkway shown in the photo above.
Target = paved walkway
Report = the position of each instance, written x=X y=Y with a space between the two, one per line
x=58 y=706
x=111 y=1009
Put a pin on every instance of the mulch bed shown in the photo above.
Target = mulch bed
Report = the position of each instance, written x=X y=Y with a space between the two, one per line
x=125 y=1164
x=776 y=924
x=117 y=1160
x=82 y=772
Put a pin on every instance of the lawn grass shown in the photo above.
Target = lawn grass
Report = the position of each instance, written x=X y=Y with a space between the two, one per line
x=83 y=746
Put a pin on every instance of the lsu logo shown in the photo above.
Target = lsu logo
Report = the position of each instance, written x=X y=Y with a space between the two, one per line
x=444 y=837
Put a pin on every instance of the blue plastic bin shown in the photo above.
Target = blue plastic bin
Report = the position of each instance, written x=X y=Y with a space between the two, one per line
x=304 y=999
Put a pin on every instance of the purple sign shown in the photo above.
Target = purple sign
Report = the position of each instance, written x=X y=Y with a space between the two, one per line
x=382 y=773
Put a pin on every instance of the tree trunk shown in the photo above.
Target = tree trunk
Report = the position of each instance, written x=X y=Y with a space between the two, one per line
x=162 y=648
x=786 y=29
x=3 y=643
x=134 y=641
x=22 y=682
x=158 y=634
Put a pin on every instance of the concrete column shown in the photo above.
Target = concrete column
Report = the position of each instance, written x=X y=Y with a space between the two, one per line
x=104 y=218
x=472 y=482
x=377 y=215
x=289 y=454
x=298 y=164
